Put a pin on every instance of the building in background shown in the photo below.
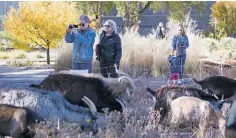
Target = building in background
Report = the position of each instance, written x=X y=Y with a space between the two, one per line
x=150 y=20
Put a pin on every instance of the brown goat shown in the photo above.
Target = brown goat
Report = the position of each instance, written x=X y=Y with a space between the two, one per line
x=14 y=121
x=165 y=95
x=230 y=127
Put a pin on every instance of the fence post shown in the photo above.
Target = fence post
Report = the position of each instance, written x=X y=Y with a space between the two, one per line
x=200 y=69
x=221 y=73
x=58 y=124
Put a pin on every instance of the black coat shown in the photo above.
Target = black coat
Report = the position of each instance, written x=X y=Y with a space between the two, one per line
x=109 y=48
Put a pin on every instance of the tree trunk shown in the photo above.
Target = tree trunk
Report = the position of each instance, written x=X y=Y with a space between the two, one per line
x=48 y=55
x=127 y=15
x=99 y=13
x=100 y=16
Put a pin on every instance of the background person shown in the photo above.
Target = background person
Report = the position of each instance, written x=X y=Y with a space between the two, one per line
x=83 y=39
x=109 y=50
x=160 y=32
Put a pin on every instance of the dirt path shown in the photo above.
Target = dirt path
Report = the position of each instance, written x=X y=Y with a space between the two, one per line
x=11 y=77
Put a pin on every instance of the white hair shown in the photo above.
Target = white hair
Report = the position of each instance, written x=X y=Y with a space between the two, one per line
x=161 y=24
x=112 y=24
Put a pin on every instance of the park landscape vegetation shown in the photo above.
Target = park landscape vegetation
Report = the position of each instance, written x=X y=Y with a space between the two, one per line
x=41 y=25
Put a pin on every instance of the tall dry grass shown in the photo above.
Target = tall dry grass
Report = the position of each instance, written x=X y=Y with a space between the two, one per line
x=145 y=55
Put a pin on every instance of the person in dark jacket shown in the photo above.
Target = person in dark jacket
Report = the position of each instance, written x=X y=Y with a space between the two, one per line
x=160 y=32
x=109 y=50
x=83 y=39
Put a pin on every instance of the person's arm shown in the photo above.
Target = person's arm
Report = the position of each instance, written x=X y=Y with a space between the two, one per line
x=118 y=50
x=186 y=45
x=69 y=37
x=157 y=32
x=173 y=45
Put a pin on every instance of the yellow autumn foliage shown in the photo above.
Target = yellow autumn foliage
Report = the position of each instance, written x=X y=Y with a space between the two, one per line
x=41 y=23
x=224 y=14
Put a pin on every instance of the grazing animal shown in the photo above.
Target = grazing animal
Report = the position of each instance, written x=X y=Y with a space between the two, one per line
x=14 y=121
x=218 y=85
x=165 y=95
x=83 y=72
x=192 y=110
x=109 y=93
x=230 y=127
x=48 y=105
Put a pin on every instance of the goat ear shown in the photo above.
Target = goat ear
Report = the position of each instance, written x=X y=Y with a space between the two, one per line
x=151 y=91
x=128 y=91
x=195 y=80
x=222 y=98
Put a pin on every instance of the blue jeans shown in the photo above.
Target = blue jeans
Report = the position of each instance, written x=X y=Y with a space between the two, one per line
x=82 y=66
x=182 y=62
x=177 y=65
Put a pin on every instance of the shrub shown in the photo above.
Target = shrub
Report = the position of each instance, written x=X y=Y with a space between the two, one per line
x=144 y=55
x=20 y=63
x=4 y=56
x=39 y=56
x=21 y=56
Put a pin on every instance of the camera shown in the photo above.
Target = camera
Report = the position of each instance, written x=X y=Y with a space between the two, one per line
x=73 y=26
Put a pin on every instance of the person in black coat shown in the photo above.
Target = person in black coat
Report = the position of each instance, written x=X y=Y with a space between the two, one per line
x=109 y=50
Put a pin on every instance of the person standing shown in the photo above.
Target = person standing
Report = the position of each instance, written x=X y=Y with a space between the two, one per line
x=160 y=32
x=109 y=50
x=83 y=39
x=179 y=45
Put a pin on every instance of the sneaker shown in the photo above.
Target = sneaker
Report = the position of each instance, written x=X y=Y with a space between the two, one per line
x=169 y=82
x=174 y=82
x=180 y=82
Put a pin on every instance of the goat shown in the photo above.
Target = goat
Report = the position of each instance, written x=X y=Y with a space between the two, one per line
x=219 y=85
x=187 y=109
x=14 y=121
x=165 y=95
x=111 y=93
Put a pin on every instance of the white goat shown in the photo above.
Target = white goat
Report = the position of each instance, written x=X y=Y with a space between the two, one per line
x=187 y=109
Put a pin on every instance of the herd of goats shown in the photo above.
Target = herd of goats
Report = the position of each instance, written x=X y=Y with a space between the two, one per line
x=78 y=98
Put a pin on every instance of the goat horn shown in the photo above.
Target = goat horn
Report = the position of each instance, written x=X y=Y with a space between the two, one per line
x=222 y=98
x=120 y=78
x=121 y=103
x=90 y=104
x=215 y=96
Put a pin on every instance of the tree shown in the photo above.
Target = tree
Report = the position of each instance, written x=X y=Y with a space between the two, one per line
x=95 y=8
x=40 y=23
x=224 y=15
x=178 y=9
x=131 y=11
